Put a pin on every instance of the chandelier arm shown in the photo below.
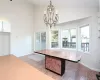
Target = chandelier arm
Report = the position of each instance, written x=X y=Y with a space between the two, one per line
x=45 y=19
x=48 y=15
x=56 y=18
x=53 y=15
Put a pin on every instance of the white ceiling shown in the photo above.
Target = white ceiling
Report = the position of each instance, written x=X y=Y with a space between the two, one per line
x=69 y=3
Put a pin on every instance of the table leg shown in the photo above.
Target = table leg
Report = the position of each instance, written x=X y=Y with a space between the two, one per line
x=54 y=64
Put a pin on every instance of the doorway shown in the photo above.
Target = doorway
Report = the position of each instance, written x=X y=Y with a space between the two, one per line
x=5 y=30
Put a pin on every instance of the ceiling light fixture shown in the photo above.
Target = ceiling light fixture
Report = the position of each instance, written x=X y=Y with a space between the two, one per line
x=51 y=16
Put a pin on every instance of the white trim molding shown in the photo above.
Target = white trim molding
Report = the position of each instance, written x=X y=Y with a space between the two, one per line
x=94 y=69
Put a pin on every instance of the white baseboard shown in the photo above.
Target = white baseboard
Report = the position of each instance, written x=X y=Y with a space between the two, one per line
x=26 y=54
x=98 y=70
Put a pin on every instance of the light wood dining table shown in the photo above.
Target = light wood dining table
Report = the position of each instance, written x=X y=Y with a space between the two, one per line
x=12 y=68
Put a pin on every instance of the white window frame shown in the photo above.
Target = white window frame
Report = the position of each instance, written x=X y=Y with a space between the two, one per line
x=59 y=45
x=79 y=38
x=70 y=35
x=3 y=27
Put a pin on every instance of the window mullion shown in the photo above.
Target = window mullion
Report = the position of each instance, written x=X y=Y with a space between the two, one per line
x=70 y=38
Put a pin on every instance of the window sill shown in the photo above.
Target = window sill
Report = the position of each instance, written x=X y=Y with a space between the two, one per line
x=85 y=52
x=70 y=49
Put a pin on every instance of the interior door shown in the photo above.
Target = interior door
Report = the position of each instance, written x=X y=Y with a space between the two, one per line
x=1 y=44
x=4 y=43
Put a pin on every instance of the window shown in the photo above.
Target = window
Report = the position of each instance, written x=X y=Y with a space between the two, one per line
x=54 y=39
x=0 y=25
x=65 y=39
x=77 y=39
x=5 y=26
x=40 y=40
x=69 y=38
x=85 y=38
x=73 y=38
x=43 y=40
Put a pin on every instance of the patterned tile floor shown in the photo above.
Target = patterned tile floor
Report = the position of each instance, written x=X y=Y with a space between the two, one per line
x=73 y=71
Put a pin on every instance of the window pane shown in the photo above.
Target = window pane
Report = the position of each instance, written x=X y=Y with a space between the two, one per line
x=54 y=39
x=73 y=38
x=69 y=38
x=0 y=25
x=65 y=39
x=43 y=40
x=37 y=41
x=85 y=38
x=6 y=26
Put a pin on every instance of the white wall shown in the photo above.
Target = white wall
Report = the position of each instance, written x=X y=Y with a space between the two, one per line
x=92 y=60
x=21 y=16
x=99 y=5
x=74 y=13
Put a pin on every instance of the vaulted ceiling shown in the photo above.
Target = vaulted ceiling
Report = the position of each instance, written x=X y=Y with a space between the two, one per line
x=68 y=3
x=70 y=9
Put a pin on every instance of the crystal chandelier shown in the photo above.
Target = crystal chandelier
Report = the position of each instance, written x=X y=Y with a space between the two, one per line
x=50 y=16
